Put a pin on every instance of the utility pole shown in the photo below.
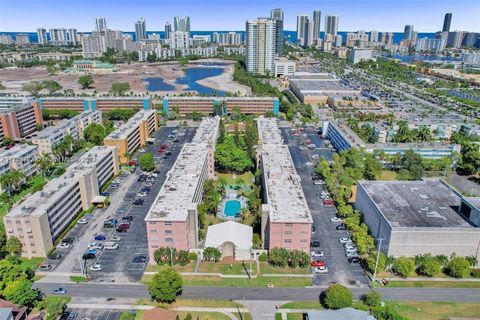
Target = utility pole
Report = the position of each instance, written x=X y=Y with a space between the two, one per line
x=376 y=261
x=171 y=256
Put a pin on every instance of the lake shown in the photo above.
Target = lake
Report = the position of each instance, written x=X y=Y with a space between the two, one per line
x=192 y=75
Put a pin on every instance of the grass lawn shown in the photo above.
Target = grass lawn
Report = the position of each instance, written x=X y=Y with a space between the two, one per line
x=388 y=175
x=203 y=315
x=192 y=303
x=294 y=316
x=190 y=267
x=32 y=263
x=435 y=310
x=433 y=284
x=78 y=279
x=256 y=282
x=302 y=305
x=265 y=267
x=139 y=315
x=246 y=177
x=227 y=268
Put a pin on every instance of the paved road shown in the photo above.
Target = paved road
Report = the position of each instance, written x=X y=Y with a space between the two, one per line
x=137 y=291
x=339 y=269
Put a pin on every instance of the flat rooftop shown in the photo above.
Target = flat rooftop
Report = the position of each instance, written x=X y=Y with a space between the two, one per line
x=268 y=131
x=93 y=98
x=284 y=190
x=50 y=132
x=207 y=132
x=132 y=124
x=176 y=195
x=17 y=151
x=416 y=204
x=55 y=189
x=317 y=85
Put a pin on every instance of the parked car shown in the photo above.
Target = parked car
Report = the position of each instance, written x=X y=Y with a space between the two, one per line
x=124 y=225
x=63 y=246
x=45 y=267
x=350 y=249
x=318 y=182
x=354 y=260
x=92 y=251
x=56 y=256
x=321 y=270
x=328 y=202
x=313 y=229
x=100 y=237
x=96 y=267
x=115 y=238
x=138 y=202
x=127 y=218
x=140 y=259
x=105 y=194
x=315 y=244
x=311 y=146
x=111 y=246
x=88 y=256
x=316 y=253
x=59 y=291
x=344 y=240
x=309 y=164
x=142 y=194
x=67 y=240
x=95 y=246
x=352 y=255
x=335 y=219
x=318 y=263
x=121 y=210
x=341 y=227
x=121 y=229
x=82 y=221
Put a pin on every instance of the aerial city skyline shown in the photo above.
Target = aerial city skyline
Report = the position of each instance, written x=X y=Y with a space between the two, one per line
x=252 y=160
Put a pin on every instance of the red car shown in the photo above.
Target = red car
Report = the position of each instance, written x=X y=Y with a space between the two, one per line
x=132 y=163
x=161 y=150
x=328 y=202
x=124 y=226
x=318 y=263
x=164 y=146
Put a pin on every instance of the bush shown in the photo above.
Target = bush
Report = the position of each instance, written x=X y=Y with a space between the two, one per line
x=263 y=257
x=337 y=297
x=371 y=260
x=192 y=256
x=458 y=267
x=386 y=313
x=429 y=266
x=404 y=266
x=278 y=257
x=475 y=273
x=372 y=298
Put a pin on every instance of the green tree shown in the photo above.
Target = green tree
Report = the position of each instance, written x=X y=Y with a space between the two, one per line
x=404 y=266
x=278 y=257
x=221 y=132
x=146 y=161
x=85 y=81
x=53 y=306
x=458 y=267
x=7 y=141
x=152 y=57
x=13 y=246
x=95 y=133
x=127 y=315
x=33 y=87
x=211 y=254
x=165 y=285
x=229 y=157
x=371 y=260
x=20 y=292
x=52 y=86
x=250 y=138
x=372 y=298
x=337 y=297
x=119 y=88
x=196 y=116
x=429 y=266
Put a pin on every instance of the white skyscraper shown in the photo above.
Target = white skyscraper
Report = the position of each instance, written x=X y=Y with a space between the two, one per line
x=260 y=40
x=302 y=29
x=181 y=24
x=179 y=40
x=317 y=16
x=72 y=36
x=100 y=24
x=331 y=25
x=277 y=15
x=168 y=30
x=140 y=30
x=58 y=36
x=42 y=36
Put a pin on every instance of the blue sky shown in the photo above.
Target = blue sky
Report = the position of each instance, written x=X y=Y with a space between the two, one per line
x=382 y=15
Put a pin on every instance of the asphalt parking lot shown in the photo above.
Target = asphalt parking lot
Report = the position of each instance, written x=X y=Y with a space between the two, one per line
x=339 y=269
x=117 y=265
x=94 y=314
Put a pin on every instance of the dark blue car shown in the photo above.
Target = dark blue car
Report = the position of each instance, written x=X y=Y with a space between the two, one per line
x=100 y=237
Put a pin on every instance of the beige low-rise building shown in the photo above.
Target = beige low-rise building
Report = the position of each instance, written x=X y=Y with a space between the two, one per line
x=39 y=220
x=133 y=134
x=21 y=157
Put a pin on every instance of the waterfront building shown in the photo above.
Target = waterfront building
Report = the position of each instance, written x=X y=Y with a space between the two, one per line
x=42 y=36
x=22 y=39
x=260 y=40
x=6 y=39
x=361 y=54
x=446 y=22
x=42 y=217
x=317 y=16
x=373 y=36
x=100 y=24
x=181 y=24
x=277 y=15
x=455 y=39
x=134 y=134
x=100 y=103
x=428 y=44
x=302 y=29
x=140 y=30
x=331 y=25
x=168 y=30
x=179 y=40
x=286 y=218
x=408 y=32
x=72 y=37
x=58 y=36
x=172 y=220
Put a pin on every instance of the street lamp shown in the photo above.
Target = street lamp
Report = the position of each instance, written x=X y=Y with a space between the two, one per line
x=378 y=256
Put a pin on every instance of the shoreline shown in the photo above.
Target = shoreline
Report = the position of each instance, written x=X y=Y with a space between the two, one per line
x=224 y=82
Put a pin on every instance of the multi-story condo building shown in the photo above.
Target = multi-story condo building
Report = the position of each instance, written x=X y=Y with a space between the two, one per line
x=277 y=15
x=286 y=218
x=100 y=24
x=6 y=39
x=361 y=54
x=18 y=117
x=22 y=39
x=446 y=22
x=168 y=30
x=42 y=36
x=331 y=25
x=181 y=24
x=179 y=40
x=260 y=45
x=102 y=103
x=39 y=220
x=133 y=134
x=50 y=136
x=172 y=220
x=221 y=105
x=21 y=157
x=427 y=44
x=140 y=30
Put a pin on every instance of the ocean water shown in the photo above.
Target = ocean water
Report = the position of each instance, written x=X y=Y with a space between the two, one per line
x=289 y=35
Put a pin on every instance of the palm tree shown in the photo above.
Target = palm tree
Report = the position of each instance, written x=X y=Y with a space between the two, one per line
x=44 y=163
x=6 y=182
x=18 y=177
x=69 y=142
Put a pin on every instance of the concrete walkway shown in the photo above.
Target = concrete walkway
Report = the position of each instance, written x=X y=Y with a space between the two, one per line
x=229 y=312
x=262 y=310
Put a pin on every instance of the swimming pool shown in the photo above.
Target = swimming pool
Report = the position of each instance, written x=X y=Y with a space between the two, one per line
x=232 y=208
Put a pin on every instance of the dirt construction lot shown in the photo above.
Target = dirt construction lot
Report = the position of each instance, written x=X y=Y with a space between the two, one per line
x=133 y=73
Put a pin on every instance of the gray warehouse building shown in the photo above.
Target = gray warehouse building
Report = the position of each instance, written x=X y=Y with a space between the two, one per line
x=417 y=217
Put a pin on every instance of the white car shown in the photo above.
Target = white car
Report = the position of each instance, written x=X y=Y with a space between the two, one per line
x=115 y=238
x=349 y=245
x=310 y=164
x=95 y=245
x=96 y=267
x=82 y=221
x=142 y=194
x=319 y=182
x=344 y=240
x=320 y=270
x=352 y=254
x=335 y=219
x=63 y=246
x=351 y=250
x=316 y=253
x=111 y=246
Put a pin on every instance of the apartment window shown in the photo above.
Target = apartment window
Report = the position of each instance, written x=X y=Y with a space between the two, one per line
x=168 y=223
x=152 y=223
x=287 y=241
x=168 y=232
x=288 y=233
x=169 y=240
x=154 y=247
x=152 y=231
x=303 y=240
x=288 y=225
